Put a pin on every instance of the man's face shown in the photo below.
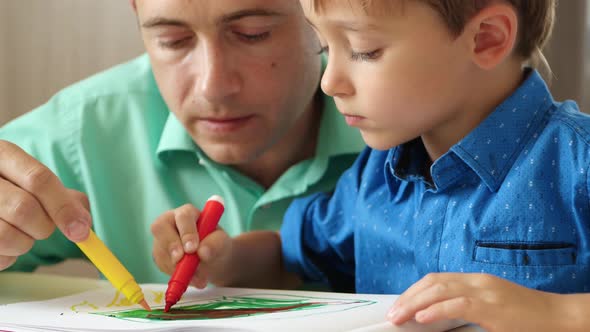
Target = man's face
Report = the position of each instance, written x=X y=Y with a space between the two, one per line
x=238 y=74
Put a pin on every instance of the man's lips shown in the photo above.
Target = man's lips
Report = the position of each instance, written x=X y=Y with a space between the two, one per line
x=224 y=124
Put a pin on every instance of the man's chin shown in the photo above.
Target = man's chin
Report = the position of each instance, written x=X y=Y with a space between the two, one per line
x=230 y=157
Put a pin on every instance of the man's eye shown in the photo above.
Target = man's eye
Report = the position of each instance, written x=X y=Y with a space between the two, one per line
x=366 y=56
x=253 y=38
x=175 y=43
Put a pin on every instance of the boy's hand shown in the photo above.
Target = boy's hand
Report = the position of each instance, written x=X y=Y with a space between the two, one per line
x=491 y=302
x=33 y=201
x=175 y=233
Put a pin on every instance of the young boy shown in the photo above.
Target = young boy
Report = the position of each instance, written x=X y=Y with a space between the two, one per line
x=472 y=169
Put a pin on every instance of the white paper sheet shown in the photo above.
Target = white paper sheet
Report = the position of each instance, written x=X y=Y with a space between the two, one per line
x=213 y=309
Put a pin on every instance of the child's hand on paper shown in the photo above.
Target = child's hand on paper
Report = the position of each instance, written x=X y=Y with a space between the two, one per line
x=175 y=233
x=493 y=303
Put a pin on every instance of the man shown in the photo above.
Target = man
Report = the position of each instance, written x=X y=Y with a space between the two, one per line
x=225 y=102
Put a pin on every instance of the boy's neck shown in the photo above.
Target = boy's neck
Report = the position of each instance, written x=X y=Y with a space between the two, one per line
x=486 y=91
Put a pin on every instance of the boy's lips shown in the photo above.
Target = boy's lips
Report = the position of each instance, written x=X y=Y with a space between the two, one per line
x=353 y=120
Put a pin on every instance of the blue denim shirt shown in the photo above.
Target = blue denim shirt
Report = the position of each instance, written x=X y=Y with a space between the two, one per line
x=510 y=199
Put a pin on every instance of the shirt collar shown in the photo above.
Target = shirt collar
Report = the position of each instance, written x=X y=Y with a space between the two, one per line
x=492 y=148
x=489 y=150
x=174 y=138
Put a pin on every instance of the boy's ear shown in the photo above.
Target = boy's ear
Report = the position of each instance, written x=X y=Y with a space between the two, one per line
x=493 y=34
x=133 y=5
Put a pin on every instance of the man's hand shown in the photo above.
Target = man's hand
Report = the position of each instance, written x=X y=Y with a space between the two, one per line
x=33 y=201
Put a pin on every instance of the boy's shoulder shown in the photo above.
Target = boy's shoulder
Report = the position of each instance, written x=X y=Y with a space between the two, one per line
x=567 y=119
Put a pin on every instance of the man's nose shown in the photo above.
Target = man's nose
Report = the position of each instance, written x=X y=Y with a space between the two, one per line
x=218 y=76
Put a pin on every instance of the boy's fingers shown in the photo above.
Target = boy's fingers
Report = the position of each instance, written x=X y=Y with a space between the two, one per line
x=186 y=223
x=427 y=281
x=25 y=172
x=455 y=308
x=214 y=246
x=163 y=260
x=200 y=280
x=166 y=236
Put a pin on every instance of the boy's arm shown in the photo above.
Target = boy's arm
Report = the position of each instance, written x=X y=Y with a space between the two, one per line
x=255 y=261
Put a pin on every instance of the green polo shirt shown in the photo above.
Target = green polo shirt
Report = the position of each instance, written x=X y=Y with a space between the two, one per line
x=112 y=137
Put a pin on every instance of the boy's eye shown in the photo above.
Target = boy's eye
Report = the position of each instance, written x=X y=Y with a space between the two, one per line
x=252 y=38
x=174 y=43
x=365 y=56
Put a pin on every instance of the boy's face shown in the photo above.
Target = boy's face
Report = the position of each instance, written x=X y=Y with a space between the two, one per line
x=237 y=73
x=396 y=75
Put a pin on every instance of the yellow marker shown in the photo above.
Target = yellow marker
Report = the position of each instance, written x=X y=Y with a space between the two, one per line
x=112 y=269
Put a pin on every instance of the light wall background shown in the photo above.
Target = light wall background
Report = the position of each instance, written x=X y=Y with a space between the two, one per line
x=46 y=45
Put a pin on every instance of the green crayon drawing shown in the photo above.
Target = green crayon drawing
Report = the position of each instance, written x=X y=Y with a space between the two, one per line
x=236 y=306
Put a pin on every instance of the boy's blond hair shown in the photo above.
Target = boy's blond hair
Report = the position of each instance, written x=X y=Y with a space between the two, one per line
x=536 y=18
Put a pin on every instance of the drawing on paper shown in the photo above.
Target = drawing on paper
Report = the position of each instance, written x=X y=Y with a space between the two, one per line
x=238 y=306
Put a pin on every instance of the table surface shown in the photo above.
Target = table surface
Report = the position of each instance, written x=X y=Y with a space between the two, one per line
x=21 y=287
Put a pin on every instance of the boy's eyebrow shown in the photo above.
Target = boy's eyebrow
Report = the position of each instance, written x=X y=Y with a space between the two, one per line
x=228 y=18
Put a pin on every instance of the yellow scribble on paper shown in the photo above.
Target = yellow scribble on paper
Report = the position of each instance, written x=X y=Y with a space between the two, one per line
x=158 y=296
x=83 y=304
x=119 y=301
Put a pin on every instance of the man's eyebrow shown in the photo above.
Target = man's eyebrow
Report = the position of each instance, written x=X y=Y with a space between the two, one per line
x=162 y=21
x=248 y=13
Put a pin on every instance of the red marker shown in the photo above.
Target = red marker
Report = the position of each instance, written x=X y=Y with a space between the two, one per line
x=186 y=267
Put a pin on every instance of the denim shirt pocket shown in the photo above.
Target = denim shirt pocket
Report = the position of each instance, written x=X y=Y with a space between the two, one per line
x=525 y=253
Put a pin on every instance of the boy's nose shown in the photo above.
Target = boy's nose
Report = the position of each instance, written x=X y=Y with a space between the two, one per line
x=335 y=82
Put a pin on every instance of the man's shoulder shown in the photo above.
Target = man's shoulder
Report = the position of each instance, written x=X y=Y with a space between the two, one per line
x=121 y=95
x=132 y=77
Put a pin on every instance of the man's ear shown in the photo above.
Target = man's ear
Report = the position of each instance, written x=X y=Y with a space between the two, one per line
x=493 y=33
x=133 y=5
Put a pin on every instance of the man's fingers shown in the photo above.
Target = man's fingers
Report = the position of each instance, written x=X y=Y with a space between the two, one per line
x=166 y=236
x=24 y=171
x=186 y=223
x=6 y=262
x=24 y=212
x=13 y=242
x=80 y=197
